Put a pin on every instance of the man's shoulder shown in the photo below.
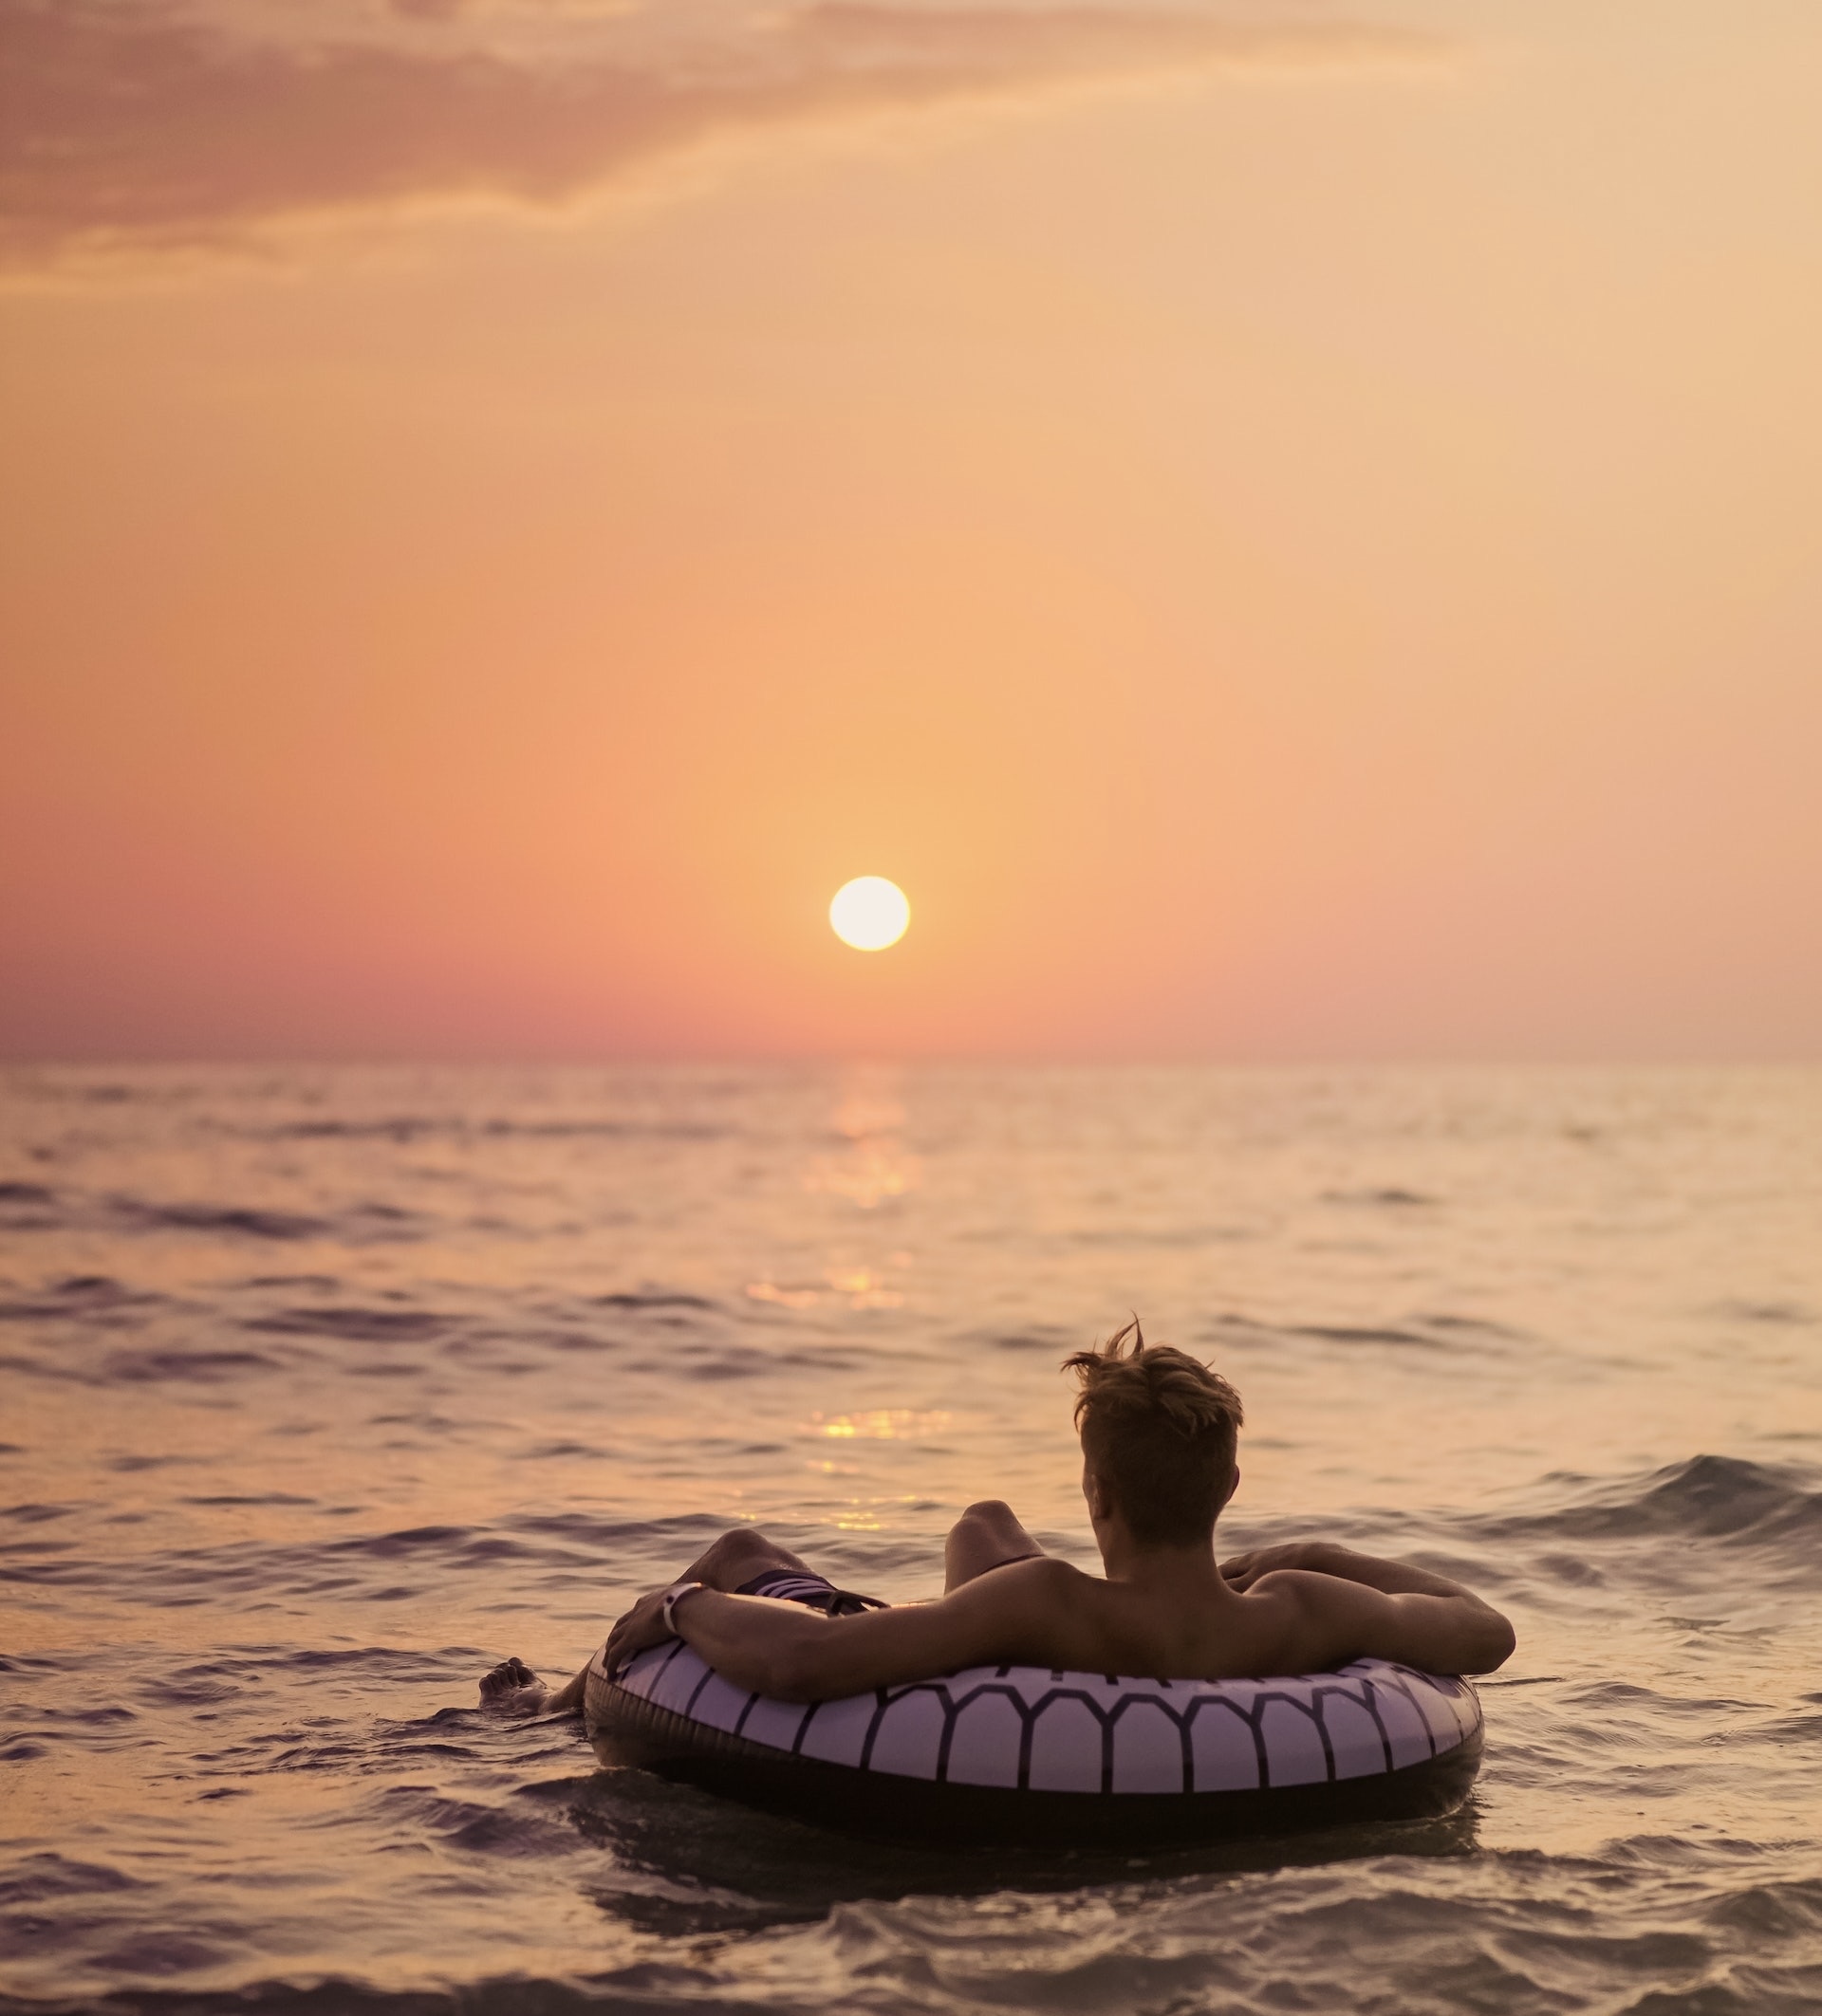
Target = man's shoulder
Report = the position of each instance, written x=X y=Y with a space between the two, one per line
x=1309 y=1591
x=1310 y=1617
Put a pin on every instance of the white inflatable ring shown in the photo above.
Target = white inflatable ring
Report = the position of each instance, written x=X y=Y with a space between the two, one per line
x=1013 y=1753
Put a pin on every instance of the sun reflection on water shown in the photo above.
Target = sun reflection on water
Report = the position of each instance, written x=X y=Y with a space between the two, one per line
x=867 y=1177
x=881 y=1424
x=864 y=1288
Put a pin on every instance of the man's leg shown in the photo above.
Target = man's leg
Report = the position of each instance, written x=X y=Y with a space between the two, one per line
x=987 y=1535
x=740 y=1554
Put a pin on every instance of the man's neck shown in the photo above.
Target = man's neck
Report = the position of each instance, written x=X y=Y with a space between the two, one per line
x=1126 y=1560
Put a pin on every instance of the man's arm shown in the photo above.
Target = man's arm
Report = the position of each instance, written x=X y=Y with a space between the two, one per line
x=794 y=1653
x=1358 y=1606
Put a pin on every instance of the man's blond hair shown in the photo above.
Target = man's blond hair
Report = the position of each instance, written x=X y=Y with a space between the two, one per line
x=1159 y=1428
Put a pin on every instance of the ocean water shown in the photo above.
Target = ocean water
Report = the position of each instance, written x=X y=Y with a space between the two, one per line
x=321 y=1391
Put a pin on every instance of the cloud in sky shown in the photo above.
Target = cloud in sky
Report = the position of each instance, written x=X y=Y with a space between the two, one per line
x=145 y=126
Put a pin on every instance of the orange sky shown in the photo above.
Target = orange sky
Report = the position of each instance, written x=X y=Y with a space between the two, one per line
x=1288 y=535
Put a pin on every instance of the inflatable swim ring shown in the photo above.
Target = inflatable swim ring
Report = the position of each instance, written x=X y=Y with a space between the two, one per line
x=1022 y=1755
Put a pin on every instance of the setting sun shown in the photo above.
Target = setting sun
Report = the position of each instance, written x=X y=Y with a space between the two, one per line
x=869 y=913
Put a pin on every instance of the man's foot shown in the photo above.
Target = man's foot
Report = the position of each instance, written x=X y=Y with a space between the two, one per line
x=513 y=1687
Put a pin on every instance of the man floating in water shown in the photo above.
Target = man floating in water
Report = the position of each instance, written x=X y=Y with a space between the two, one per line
x=1159 y=1433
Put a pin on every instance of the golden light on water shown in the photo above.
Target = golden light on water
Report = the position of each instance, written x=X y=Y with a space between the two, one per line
x=869 y=913
x=881 y=1424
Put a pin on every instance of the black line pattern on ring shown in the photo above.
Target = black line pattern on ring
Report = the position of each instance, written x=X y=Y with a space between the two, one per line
x=1359 y=1690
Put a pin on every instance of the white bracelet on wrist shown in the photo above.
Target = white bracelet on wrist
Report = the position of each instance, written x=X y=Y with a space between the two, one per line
x=673 y=1596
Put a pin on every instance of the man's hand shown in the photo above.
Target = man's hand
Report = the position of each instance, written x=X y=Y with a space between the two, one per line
x=640 y=1629
x=1242 y=1571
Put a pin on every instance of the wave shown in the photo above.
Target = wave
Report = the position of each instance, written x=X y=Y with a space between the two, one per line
x=207 y=1368
x=1441 y=1332
x=36 y=1514
x=553 y=1555
x=1769 y=1312
x=653 y=1299
x=94 y=1298
x=282 y=1330
x=38 y=1878
x=237 y=1220
x=38 y=1207
x=1429 y=1924
x=404 y=1129
x=1047 y=1338
x=355 y=1325
x=198 y=1366
x=1390 y=1197
x=1366 y=1334
x=1724 y=1498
